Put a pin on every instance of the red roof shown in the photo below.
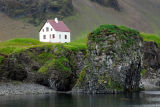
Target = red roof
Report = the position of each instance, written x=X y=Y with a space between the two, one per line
x=60 y=26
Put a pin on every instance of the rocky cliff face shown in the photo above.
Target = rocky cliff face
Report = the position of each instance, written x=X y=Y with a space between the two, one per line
x=114 y=61
x=37 y=10
x=151 y=67
x=54 y=66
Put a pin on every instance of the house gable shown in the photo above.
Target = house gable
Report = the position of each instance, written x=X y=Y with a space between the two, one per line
x=44 y=27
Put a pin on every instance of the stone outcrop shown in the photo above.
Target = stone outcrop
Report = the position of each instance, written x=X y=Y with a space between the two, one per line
x=152 y=55
x=54 y=66
x=151 y=67
x=113 y=61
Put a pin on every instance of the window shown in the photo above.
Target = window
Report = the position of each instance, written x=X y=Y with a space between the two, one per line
x=44 y=36
x=50 y=36
x=47 y=29
x=43 y=30
x=59 y=36
x=53 y=36
x=51 y=29
x=65 y=36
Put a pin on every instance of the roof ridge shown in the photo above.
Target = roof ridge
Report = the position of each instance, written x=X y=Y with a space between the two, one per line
x=60 y=26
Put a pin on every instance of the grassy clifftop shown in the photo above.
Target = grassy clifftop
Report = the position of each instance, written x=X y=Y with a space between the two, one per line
x=151 y=37
x=20 y=44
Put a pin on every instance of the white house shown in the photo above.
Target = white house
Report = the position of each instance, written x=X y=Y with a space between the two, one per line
x=54 y=31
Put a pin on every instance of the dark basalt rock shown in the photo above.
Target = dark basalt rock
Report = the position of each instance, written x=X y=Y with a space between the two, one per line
x=151 y=66
x=152 y=55
x=61 y=75
x=113 y=61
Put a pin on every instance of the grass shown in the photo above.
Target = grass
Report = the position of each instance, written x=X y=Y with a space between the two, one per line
x=44 y=57
x=60 y=64
x=127 y=35
x=113 y=29
x=76 y=45
x=46 y=66
x=151 y=37
x=81 y=77
x=19 y=44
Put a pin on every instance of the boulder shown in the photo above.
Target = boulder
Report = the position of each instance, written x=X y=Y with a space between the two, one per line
x=113 y=62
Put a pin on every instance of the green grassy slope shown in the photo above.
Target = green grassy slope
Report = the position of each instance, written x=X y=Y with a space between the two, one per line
x=142 y=15
x=151 y=37
x=19 y=44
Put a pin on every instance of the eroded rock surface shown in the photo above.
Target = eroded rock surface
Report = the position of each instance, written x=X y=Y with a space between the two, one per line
x=151 y=68
x=114 y=61
x=54 y=66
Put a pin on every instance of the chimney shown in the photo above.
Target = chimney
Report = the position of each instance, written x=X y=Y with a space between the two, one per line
x=56 y=20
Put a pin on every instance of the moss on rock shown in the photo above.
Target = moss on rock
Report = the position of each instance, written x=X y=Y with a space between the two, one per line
x=53 y=65
x=114 y=55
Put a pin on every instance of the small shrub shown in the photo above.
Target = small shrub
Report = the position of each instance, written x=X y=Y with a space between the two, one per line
x=81 y=77
x=143 y=72
x=1 y=58
x=46 y=66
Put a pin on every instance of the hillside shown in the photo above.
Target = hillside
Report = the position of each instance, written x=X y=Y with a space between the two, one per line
x=139 y=14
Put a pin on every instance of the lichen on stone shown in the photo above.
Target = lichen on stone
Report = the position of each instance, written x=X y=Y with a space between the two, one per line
x=114 y=55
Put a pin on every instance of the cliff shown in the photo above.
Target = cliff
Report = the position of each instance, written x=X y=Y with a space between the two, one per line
x=113 y=62
x=151 y=67
x=54 y=65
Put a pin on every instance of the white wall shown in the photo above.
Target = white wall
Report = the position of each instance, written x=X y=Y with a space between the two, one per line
x=59 y=36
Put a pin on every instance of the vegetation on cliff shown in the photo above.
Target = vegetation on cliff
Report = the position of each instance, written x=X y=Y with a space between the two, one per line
x=151 y=37
x=21 y=44
x=18 y=44
x=113 y=60
x=25 y=59
x=112 y=51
